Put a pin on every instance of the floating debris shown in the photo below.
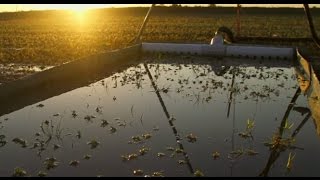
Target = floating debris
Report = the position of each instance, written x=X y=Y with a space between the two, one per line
x=129 y=157
x=144 y=150
x=19 y=172
x=160 y=154
x=20 y=141
x=51 y=163
x=237 y=152
x=147 y=136
x=156 y=128
x=136 y=139
x=114 y=98
x=191 y=138
x=198 y=173
x=56 y=115
x=99 y=109
x=245 y=135
x=251 y=152
x=157 y=174
x=74 y=114
x=104 y=123
x=170 y=148
x=46 y=122
x=42 y=174
x=112 y=129
x=250 y=124
x=87 y=157
x=37 y=134
x=178 y=150
x=121 y=123
x=215 y=155
x=88 y=118
x=281 y=143
x=138 y=172
x=93 y=144
x=2 y=141
x=40 y=105
x=56 y=146
x=74 y=163
x=182 y=162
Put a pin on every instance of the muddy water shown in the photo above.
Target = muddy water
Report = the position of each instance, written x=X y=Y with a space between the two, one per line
x=186 y=118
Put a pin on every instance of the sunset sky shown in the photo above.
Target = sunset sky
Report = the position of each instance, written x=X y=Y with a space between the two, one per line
x=27 y=7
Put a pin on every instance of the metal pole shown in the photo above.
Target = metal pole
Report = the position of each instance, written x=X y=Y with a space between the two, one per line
x=137 y=40
x=310 y=22
x=238 y=20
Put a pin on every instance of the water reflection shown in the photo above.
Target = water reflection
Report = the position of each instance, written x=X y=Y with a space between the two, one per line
x=219 y=116
x=279 y=143
x=309 y=84
x=170 y=120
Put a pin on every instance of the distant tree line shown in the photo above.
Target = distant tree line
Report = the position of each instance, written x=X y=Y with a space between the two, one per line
x=163 y=11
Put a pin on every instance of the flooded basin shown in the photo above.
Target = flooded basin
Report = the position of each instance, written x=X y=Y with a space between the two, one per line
x=169 y=116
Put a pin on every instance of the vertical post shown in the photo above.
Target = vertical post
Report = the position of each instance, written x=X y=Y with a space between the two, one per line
x=238 y=20
x=144 y=24
x=310 y=22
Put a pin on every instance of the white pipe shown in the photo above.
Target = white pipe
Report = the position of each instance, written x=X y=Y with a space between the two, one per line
x=259 y=52
x=218 y=49
x=173 y=48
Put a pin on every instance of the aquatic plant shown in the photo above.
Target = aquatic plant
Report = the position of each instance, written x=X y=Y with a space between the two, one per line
x=74 y=163
x=19 y=172
x=51 y=163
x=198 y=173
x=93 y=144
x=87 y=157
x=42 y=174
x=215 y=155
x=138 y=172
x=191 y=138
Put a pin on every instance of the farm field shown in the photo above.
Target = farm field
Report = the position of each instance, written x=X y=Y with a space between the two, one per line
x=55 y=37
x=254 y=112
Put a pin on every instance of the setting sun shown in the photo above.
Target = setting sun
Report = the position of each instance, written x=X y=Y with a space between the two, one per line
x=79 y=13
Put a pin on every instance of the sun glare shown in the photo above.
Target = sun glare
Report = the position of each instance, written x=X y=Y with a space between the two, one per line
x=80 y=13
